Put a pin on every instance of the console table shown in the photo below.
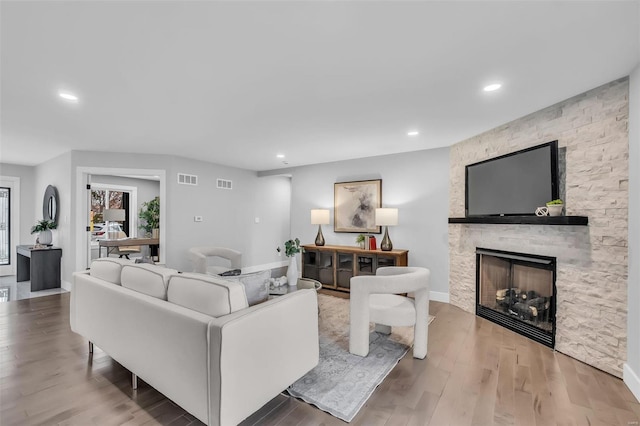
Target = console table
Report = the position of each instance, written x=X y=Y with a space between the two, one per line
x=40 y=265
x=334 y=266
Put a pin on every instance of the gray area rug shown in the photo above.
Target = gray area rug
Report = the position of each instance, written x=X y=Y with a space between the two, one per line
x=342 y=383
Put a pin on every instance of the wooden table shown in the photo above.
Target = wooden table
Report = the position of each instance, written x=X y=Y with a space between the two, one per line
x=40 y=265
x=126 y=242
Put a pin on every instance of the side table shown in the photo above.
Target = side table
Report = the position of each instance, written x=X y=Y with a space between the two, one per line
x=40 y=265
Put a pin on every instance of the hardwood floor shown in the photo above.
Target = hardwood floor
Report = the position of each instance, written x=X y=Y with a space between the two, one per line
x=476 y=373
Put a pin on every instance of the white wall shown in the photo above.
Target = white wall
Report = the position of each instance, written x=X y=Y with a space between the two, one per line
x=57 y=172
x=631 y=372
x=228 y=215
x=416 y=183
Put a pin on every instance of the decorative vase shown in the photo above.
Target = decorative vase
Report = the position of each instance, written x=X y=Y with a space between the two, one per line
x=45 y=237
x=555 y=209
x=155 y=233
x=292 y=271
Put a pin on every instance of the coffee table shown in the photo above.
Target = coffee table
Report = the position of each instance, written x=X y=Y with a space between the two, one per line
x=303 y=283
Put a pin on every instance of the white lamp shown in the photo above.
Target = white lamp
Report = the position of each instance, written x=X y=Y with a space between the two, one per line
x=113 y=215
x=386 y=217
x=319 y=217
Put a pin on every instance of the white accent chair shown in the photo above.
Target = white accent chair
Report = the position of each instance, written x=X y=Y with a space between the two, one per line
x=375 y=298
x=201 y=257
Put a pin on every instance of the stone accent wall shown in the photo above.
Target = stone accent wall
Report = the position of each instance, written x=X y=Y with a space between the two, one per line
x=591 y=130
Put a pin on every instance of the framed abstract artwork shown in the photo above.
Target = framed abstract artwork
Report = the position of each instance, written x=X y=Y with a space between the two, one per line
x=355 y=205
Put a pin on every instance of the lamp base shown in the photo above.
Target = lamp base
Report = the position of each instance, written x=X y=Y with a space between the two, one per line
x=320 y=237
x=386 y=244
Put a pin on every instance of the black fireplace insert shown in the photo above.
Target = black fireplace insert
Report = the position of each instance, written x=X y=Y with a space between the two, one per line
x=518 y=291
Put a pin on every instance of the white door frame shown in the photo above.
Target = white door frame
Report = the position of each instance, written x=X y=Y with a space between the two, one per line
x=13 y=183
x=82 y=216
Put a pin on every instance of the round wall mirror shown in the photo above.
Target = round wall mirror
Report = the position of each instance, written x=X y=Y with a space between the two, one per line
x=50 y=204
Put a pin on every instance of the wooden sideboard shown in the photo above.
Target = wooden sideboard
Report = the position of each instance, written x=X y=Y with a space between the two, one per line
x=334 y=266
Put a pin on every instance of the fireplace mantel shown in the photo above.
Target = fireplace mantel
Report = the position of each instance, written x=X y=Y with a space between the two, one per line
x=524 y=220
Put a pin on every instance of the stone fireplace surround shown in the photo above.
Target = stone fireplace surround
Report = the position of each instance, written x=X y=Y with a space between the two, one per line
x=591 y=129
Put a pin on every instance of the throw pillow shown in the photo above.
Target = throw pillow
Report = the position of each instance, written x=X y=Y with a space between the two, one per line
x=256 y=286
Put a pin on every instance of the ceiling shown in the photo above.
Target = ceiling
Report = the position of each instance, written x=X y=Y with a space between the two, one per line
x=236 y=83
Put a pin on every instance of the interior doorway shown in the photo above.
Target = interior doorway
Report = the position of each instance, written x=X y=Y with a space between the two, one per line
x=84 y=177
x=111 y=196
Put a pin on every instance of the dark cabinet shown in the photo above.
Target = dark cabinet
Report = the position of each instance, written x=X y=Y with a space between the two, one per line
x=40 y=265
x=334 y=266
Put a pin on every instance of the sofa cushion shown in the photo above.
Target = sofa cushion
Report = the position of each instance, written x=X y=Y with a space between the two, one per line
x=108 y=269
x=206 y=294
x=256 y=286
x=149 y=279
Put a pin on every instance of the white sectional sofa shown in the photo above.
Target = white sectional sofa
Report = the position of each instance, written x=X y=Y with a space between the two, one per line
x=194 y=338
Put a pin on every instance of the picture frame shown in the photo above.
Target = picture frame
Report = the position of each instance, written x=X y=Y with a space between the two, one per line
x=355 y=205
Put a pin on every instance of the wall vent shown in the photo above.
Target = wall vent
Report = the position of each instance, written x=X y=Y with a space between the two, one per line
x=224 y=184
x=185 y=179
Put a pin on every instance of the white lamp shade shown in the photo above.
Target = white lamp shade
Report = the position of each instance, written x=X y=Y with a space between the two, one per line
x=386 y=217
x=114 y=215
x=319 y=217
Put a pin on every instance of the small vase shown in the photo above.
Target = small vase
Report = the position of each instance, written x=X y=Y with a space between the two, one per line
x=292 y=272
x=45 y=237
x=155 y=233
x=555 y=209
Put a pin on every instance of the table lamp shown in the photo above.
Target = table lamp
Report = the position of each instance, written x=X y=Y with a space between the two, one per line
x=386 y=217
x=319 y=217
x=113 y=215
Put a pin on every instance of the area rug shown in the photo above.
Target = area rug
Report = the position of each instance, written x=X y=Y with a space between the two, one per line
x=342 y=383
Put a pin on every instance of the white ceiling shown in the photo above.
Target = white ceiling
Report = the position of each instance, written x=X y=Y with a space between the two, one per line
x=238 y=82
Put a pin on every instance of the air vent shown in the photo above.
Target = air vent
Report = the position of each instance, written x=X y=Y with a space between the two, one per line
x=224 y=184
x=185 y=179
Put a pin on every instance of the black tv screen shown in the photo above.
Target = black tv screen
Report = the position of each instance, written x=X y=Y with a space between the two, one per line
x=513 y=184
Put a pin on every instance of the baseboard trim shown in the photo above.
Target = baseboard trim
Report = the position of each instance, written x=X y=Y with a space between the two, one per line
x=632 y=380
x=439 y=296
x=65 y=285
x=258 y=268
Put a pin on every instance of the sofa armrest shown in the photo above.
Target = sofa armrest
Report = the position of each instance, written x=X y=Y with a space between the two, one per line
x=258 y=352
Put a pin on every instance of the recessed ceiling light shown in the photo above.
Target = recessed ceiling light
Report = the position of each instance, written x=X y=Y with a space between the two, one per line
x=280 y=155
x=413 y=133
x=68 y=96
x=492 y=87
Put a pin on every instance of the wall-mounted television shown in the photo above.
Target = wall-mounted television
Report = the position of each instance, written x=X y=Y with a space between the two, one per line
x=513 y=184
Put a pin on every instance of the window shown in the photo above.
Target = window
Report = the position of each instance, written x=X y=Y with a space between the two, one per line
x=5 y=227
x=107 y=197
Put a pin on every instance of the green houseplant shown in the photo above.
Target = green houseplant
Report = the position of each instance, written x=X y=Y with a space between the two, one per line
x=555 y=207
x=291 y=248
x=44 y=227
x=150 y=216
x=360 y=240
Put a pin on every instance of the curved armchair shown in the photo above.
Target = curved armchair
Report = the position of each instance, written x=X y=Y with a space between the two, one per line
x=200 y=256
x=375 y=298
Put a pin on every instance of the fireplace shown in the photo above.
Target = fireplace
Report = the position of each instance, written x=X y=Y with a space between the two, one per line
x=518 y=291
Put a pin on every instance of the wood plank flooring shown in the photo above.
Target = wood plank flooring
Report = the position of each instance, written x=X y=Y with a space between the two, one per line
x=476 y=373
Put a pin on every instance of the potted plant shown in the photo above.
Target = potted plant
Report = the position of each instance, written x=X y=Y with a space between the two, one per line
x=555 y=207
x=291 y=248
x=150 y=215
x=44 y=227
x=360 y=240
